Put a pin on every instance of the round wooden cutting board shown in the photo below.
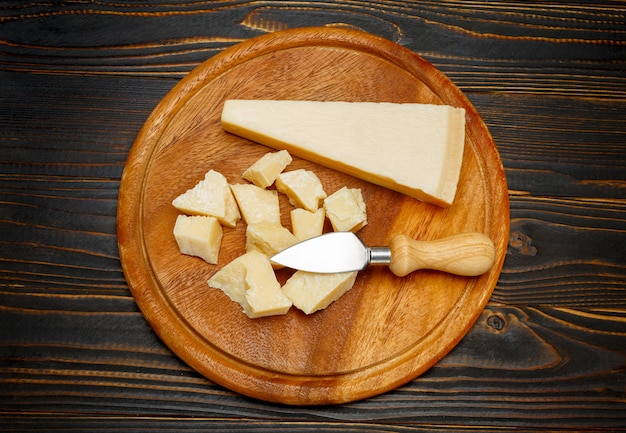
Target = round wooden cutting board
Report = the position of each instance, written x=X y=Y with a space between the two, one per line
x=384 y=332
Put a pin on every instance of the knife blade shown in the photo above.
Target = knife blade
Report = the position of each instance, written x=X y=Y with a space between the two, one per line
x=467 y=254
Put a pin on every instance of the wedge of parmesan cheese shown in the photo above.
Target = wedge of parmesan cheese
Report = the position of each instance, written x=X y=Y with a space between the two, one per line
x=250 y=281
x=303 y=188
x=212 y=197
x=311 y=292
x=415 y=149
x=346 y=210
x=199 y=236
x=264 y=171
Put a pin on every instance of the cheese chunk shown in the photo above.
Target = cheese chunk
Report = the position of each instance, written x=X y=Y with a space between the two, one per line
x=257 y=204
x=264 y=171
x=212 y=197
x=311 y=292
x=199 y=236
x=415 y=149
x=345 y=209
x=250 y=280
x=268 y=238
x=303 y=188
x=231 y=279
x=305 y=224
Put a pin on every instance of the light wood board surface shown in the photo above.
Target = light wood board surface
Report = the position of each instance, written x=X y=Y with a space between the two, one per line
x=384 y=332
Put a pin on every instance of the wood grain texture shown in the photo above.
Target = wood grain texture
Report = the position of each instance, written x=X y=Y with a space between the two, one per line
x=77 y=81
x=487 y=378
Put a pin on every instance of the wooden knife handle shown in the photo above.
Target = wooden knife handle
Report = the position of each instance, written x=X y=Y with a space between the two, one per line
x=468 y=254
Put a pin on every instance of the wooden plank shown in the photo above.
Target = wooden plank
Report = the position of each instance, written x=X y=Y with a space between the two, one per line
x=78 y=80
x=509 y=370
x=557 y=47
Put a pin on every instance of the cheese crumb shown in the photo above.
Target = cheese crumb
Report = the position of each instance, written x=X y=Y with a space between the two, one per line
x=303 y=188
x=199 y=236
x=212 y=197
x=305 y=224
x=264 y=171
x=250 y=280
x=268 y=238
x=346 y=210
x=257 y=204
x=311 y=292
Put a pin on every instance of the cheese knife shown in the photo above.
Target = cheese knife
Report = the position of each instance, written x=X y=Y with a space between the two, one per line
x=467 y=254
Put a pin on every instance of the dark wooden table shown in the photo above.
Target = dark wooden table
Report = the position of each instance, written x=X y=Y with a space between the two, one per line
x=77 y=82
